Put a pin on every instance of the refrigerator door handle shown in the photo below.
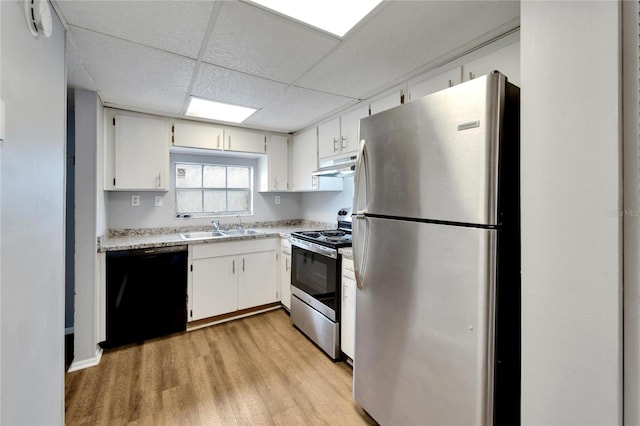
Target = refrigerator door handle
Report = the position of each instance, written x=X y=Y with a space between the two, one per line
x=360 y=259
x=360 y=232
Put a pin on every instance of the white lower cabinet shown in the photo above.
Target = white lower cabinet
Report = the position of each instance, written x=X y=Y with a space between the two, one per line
x=229 y=276
x=215 y=287
x=348 y=312
x=257 y=279
x=285 y=273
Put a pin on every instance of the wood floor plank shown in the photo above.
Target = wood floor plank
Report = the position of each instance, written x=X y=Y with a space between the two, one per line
x=255 y=370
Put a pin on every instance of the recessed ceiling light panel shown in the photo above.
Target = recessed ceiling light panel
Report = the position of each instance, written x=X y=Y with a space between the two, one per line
x=334 y=16
x=204 y=108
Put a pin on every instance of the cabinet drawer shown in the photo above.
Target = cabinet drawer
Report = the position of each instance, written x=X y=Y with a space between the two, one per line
x=285 y=245
x=201 y=251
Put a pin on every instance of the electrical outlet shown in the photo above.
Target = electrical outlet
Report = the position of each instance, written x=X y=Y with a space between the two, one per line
x=277 y=199
x=135 y=200
x=159 y=201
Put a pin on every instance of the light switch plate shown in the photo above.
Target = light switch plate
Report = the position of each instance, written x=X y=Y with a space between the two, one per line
x=135 y=200
x=159 y=201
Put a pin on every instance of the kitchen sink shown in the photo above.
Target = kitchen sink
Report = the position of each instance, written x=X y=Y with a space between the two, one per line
x=234 y=232
x=202 y=235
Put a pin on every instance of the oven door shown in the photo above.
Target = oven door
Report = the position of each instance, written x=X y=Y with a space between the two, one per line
x=314 y=279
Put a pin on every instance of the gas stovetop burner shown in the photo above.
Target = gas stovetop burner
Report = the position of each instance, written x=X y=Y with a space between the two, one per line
x=333 y=233
x=330 y=237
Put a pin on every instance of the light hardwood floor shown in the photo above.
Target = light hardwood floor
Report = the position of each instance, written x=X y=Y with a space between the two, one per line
x=256 y=370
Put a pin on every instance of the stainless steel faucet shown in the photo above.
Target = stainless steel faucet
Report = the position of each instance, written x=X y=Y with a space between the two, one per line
x=239 y=222
x=216 y=224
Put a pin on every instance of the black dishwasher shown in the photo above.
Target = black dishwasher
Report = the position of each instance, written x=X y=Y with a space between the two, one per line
x=146 y=294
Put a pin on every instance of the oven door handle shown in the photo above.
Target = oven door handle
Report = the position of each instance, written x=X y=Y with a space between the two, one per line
x=315 y=248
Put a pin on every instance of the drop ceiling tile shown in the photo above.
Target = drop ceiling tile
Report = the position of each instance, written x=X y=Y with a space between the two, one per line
x=252 y=40
x=132 y=75
x=225 y=85
x=174 y=26
x=403 y=37
x=295 y=109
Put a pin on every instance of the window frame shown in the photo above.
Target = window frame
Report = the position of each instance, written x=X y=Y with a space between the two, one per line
x=203 y=189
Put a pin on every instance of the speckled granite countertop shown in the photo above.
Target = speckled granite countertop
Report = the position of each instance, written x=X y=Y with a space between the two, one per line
x=347 y=252
x=128 y=239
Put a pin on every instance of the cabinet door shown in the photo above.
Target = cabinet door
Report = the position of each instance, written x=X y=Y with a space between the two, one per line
x=385 y=103
x=257 y=282
x=435 y=84
x=350 y=126
x=278 y=163
x=329 y=142
x=348 y=313
x=285 y=280
x=197 y=135
x=304 y=160
x=141 y=138
x=245 y=141
x=505 y=60
x=215 y=286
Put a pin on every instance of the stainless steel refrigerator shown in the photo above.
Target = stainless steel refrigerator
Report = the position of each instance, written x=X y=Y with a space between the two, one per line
x=436 y=242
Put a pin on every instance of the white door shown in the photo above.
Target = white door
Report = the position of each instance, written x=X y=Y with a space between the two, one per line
x=139 y=138
x=285 y=280
x=348 y=312
x=329 y=138
x=278 y=163
x=215 y=286
x=350 y=129
x=197 y=135
x=257 y=284
x=245 y=141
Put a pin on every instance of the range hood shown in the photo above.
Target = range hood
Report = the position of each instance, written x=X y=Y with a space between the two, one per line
x=339 y=167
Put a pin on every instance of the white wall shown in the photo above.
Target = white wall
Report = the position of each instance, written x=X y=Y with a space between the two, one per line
x=571 y=247
x=121 y=214
x=32 y=205
x=88 y=116
x=324 y=206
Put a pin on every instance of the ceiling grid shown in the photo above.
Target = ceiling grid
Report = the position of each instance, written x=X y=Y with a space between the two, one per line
x=152 y=56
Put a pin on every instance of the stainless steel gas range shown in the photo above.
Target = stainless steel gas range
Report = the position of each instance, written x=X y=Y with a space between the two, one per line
x=315 y=282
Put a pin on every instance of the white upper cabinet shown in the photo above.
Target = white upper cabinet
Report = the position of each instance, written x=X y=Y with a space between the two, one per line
x=245 y=141
x=329 y=142
x=197 y=135
x=350 y=128
x=190 y=134
x=131 y=138
x=304 y=161
x=340 y=136
x=388 y=102
x=274 y=167
x=505 y=60
x=435 y=84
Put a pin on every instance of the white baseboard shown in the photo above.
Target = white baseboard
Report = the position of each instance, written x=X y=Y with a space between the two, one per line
x=86 y=363
x=68 y=330
x=248 y=314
